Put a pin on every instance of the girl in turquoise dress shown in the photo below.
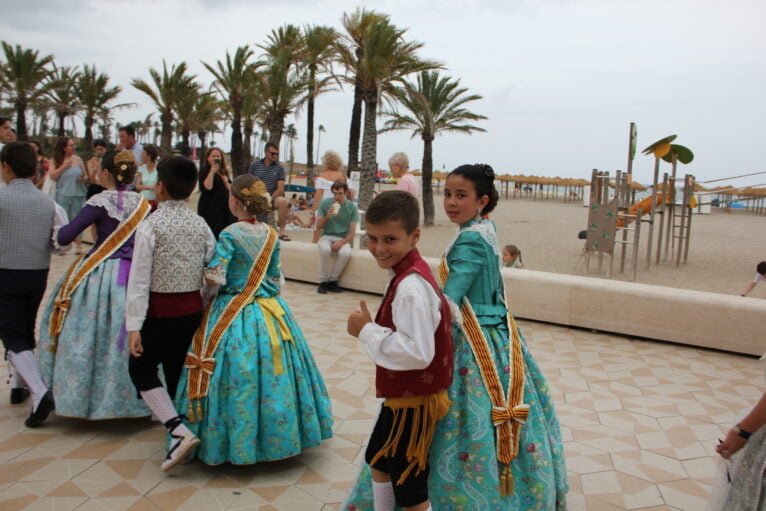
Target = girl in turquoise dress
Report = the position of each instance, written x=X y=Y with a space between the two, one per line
x=466 y=473
x=250 y=386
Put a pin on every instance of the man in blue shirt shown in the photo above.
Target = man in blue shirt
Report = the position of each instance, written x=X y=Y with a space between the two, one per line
x=272 y=174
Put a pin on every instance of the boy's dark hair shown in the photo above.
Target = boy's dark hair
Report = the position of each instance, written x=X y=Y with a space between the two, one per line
x=129 y=130
x=339 y=184
x=151 y=151
x=21 y=158
x=4 y=119
x=761 y=267
x=394 y=206
x=179 y=175
x=100 y=142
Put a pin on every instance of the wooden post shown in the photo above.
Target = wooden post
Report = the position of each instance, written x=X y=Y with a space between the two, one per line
x=651 y=213
x=670 y=235
x=661 y=211
x=636 y=239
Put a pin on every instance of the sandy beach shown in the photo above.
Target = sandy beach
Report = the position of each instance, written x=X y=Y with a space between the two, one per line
x=723 y=253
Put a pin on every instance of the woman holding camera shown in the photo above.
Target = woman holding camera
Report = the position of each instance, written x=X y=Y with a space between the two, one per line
x=214 y=183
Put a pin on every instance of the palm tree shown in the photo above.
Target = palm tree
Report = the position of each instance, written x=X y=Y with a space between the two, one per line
x=281 y=83
x=318 y=54
x=62 y=94
x=233 y=78
x=168 y=89
x=251 y=110
x=94 y=95
x=357 y=24
x=433 y=104
x=23 y=78
x=184 y=110
x=291 y=133
x=280 y=86
x=386 y=59
x=320 y=130
x=207 y=113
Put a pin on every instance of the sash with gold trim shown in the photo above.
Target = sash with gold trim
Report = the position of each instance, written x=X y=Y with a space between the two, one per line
x=508 y=411
x=77 y=271
x=200 y=361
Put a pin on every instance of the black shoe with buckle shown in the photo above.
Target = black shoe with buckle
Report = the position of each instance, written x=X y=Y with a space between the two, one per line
x=323 y=287
x=333 y=286
x=37 y=417
x=19 y=395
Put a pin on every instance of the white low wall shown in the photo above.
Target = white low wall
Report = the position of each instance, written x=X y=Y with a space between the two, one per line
x=697 y=318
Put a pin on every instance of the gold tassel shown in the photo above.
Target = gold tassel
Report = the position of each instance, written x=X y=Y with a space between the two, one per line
x=54 y=346
x=506 y=481
x=190 y=413
x=199 y=410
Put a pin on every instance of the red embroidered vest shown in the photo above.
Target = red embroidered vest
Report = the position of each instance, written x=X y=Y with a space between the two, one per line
x=438 y=375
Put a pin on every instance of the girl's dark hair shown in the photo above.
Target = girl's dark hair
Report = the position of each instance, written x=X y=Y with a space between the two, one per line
x=151 y=151
x=514 y=251
x=242 y=189
x=121 y=165
x=483 y=178
x=761 y=268
x=59 y=150
x=38 y=148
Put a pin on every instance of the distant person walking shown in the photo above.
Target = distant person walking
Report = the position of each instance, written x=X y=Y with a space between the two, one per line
x=147 y=173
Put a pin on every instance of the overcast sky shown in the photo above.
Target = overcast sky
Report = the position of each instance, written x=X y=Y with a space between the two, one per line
x=561 y=79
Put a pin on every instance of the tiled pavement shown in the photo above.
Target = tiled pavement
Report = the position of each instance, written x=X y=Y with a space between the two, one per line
x=639 y=418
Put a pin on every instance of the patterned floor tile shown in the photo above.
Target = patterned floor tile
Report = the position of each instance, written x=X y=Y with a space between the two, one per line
x=639 y=420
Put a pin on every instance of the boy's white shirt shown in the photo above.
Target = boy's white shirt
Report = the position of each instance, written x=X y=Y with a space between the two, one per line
x=140 y=280
x=416 y=312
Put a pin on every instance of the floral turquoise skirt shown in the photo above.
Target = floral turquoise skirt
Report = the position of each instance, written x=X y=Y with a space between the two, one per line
x=464 y=470
x=251 y=413
x=88 y=373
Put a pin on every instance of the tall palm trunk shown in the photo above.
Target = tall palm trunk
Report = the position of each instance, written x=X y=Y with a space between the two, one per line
x=21 y=120
x=62 y=120
x=310 y=132
x=369 y=152
x=276 y=127
x=87 y=143
x=248 y=147
x=167 y=134
x=427 y=175
x=202 y=144
x=185 y=147
x=237 y=157
x=355 y=130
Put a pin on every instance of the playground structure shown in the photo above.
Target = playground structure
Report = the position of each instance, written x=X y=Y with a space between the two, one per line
x=611 y=217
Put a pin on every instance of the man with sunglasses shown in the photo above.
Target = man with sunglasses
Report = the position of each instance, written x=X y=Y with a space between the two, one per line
x=272 y=174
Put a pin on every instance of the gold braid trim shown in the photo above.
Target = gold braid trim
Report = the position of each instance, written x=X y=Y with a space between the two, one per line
x=426 y=412
x=508 y=412
x=200 y=361
x=77 y=272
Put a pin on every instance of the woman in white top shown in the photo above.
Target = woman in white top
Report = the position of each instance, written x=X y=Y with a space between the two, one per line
x=333 y=165
x=147 y=173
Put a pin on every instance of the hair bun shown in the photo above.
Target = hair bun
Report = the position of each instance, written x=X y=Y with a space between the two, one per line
x=485 y=169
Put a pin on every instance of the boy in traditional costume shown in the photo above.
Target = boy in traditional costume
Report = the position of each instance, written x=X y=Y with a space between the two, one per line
x=25 y=254
x=410 y=342
x=164 y=305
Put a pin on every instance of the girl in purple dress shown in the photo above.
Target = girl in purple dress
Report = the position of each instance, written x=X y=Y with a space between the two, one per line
x=83 y=344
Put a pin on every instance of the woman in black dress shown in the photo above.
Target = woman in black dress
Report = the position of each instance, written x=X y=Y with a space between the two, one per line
x=214 y=183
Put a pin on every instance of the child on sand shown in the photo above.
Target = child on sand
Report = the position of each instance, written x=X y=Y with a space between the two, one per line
x=250 y=384
x=410 y=342
x=164 y=305
x=512 y=257
x=760 y=276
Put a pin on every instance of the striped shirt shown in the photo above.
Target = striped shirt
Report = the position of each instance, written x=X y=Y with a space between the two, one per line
x=270 y=175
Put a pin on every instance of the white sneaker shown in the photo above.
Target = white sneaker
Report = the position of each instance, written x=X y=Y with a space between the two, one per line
x=179 y=451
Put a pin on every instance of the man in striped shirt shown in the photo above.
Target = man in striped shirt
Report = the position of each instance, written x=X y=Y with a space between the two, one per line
x=272 y=174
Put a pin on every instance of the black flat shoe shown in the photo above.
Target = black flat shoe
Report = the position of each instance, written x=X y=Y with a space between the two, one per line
x=19 y=395
x=37 y=417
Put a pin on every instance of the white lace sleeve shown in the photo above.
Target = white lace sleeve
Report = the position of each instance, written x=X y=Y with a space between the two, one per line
x=217 y=274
